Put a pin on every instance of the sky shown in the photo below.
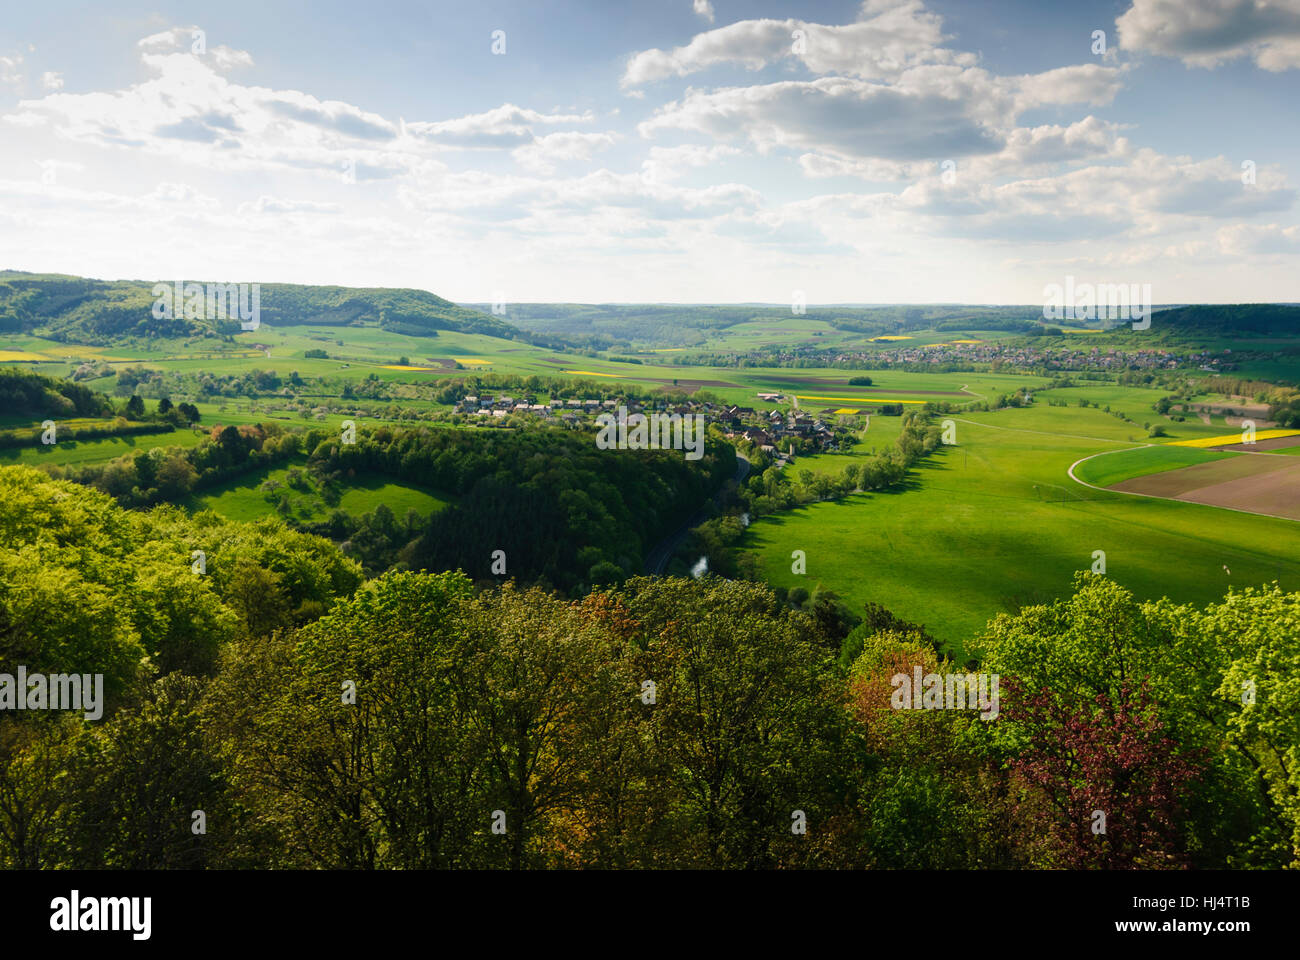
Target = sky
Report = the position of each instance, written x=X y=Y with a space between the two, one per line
x=892 y=151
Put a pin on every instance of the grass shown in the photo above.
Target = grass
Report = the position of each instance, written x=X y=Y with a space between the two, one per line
x=983 y=527
x=367 y=492
x=996 y=523
x=244 y=498
x=1112 y=468
x=96 y=451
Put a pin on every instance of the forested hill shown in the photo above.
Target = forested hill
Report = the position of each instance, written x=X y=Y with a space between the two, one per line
x=80 y=310
x=1232 y=319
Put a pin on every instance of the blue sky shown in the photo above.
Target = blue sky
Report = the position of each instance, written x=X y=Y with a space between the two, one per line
x=679 y=150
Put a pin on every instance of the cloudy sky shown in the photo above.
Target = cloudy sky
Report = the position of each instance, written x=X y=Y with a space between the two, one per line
x=670 y=150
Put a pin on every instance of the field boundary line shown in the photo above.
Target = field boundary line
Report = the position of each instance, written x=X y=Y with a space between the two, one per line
x=1152 y=496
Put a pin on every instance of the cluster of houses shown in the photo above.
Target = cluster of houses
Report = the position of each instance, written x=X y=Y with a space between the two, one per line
x=504 y=406
x=769 y=430
x=773 y=429
x=1020 y=355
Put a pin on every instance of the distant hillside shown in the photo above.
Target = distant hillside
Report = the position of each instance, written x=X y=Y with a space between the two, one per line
x=78 y=310
x=1233 y=319
x=622 y=325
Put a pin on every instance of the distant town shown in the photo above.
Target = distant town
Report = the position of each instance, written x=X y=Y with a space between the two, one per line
x=780 y=433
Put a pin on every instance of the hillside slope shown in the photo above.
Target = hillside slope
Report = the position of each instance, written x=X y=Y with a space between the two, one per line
x=81 y=310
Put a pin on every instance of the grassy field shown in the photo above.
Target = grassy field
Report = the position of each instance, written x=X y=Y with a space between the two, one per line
x=246 y=497
x=95 y=451
x=1111 y=468
x=995 y=522
x=357 y=352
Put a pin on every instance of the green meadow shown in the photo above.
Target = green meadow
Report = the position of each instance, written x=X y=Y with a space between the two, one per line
x=1112 y=468
x=96 y=451
x=995 y=522
x=246 y=497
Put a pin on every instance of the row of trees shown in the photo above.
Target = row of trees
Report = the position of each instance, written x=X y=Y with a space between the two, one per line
x=170 y=474
x=28 y=394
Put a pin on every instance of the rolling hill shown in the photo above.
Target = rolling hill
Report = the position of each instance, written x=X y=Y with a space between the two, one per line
x=81 y=310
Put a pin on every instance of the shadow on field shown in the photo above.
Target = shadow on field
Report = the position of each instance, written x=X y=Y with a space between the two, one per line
x=63 y=446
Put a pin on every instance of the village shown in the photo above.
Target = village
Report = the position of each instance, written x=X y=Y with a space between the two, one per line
x=782 y=432
x=1013 y=356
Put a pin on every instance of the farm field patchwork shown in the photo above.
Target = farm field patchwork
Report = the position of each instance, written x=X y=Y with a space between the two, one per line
x=1108 y=469
x=1234 y=439
x=1287 y=444
x=1256 y=484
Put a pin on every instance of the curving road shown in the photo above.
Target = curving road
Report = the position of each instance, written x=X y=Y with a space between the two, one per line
x=657 y=559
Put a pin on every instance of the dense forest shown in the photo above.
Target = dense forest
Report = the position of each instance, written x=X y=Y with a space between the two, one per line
x=1233 y=320
x=273 y=709
x=559 y=509
x=28 y=394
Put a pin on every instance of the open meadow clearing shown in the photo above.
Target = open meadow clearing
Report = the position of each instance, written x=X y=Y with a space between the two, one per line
x=246 y=498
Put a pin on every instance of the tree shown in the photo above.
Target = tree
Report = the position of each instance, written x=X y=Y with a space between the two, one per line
x=257 y=597
x=136 y=781
x=1113 y=782
x=747 y=727
x=1100 y=646
x=135 y=407
x=176 y=477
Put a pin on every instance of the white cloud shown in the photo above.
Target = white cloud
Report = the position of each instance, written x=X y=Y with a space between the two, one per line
x=1206 y=33
x=889 y=36
x=1149 y=194
x=704 y=8
x=669 y=163
x=836 y=115
x=506 y=126
x=545 y=152
x=1244 y=240
x=193 y=40
x=1088 y=83
x=189 y=111
x=189 y=153
x=11 y=71
x=278 y=205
